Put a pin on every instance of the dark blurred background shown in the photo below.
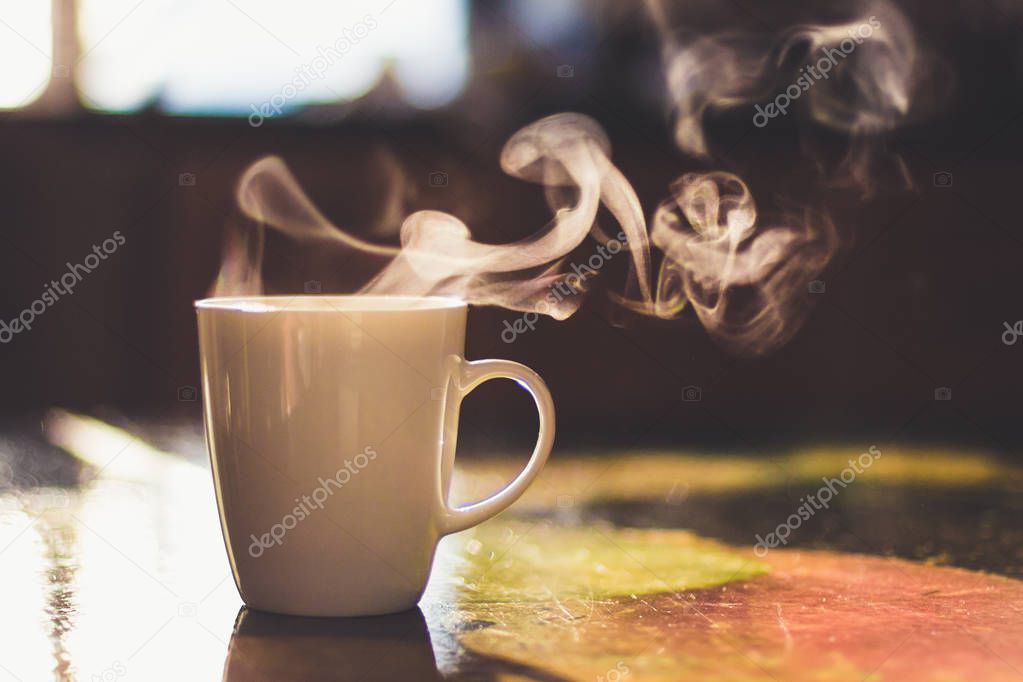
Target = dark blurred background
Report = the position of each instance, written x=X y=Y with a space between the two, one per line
x=139 y=119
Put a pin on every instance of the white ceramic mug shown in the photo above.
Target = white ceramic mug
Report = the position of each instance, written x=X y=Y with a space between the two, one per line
x=331 y=423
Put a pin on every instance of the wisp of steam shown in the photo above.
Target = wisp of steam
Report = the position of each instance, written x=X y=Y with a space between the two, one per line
x=871 y=72
x=746 y=283
x=568 y=154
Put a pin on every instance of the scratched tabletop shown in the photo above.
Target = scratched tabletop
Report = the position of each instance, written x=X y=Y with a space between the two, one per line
x=852 y=562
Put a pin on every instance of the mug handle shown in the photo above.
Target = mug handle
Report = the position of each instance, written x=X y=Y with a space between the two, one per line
x=469 y=375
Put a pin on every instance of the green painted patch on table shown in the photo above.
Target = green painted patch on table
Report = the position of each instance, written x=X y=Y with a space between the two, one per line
x=503 y=562
x=590 y=602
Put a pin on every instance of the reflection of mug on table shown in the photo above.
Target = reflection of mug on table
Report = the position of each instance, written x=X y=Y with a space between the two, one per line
x=269 y=648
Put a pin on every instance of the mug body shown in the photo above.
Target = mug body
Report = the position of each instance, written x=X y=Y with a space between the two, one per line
x=325 y=421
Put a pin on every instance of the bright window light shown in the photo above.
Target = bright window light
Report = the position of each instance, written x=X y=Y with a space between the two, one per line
x=26 y=48
x=265 y=57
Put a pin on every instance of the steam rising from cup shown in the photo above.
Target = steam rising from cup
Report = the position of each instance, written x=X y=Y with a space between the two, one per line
x=861 y=77
x=568 y=154
x=747 y=284
x=746 y=278
x=743 y=281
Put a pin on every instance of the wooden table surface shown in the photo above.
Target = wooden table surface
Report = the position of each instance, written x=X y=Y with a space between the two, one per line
x=628 y=565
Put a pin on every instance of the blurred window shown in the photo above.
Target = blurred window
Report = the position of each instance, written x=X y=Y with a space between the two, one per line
x=266 y=57
x=26 y=47
x=256 y=58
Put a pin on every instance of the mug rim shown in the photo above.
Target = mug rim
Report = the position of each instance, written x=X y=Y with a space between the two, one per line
x=310 y=303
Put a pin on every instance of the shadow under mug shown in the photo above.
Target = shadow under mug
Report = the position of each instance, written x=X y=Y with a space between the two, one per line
x=331 y=423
